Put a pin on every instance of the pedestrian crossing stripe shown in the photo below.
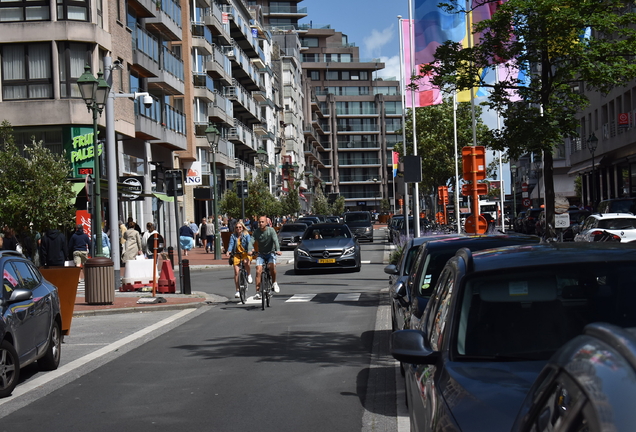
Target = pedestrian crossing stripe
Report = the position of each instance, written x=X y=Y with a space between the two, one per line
x=305 y=298
x=347 y=297
x=299 y=298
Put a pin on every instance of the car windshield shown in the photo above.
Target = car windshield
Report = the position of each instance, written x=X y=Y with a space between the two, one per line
x=357 y=217
x=327 y=233
x=293 y=227
x=617 y=224
x=527 y=315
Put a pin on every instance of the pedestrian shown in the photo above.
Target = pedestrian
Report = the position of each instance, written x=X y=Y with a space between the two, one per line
x=10 y=240
x=195 y=230
x=105 y=243
x=231 y=224
x=203 y=236
x=137 y=227
x=78 y=247
x=53 y=248
x=122 y=231
x=150 y=230
x=186 y=237
x=132 y=247
x=209 y=237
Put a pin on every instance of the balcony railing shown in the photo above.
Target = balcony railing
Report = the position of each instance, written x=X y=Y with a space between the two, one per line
x=203 y=80
x=358 y=144
x=358 y=128
x=200 y=30
x=167 y=116
x=146 y=43
x=358 y=161
x=172 y=64
x=172 y=9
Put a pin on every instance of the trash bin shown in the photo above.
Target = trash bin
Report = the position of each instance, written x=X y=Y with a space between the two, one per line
x=99 y=281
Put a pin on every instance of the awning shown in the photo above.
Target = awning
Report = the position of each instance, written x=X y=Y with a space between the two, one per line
x=163 y=197
x=585 y=165
x=76 y=188
x=563 y=186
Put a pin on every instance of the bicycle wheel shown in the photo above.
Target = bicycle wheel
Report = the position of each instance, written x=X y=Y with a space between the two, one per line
x=264 y=289
x=268 y=295
x=242 y=285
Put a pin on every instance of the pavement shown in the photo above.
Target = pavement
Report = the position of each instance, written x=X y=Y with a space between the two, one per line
x=127 y=302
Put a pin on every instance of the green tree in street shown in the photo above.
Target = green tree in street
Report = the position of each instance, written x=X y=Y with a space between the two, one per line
x=230 y=203
x=290 y=203
x=320 y=204
x=338 y=206
x=34 y=186
x=564 y=48
x=260 y=200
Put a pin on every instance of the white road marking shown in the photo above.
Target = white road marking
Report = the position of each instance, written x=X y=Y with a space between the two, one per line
x=67 y=368
x=298 y=298
x=347 y=297
x=365 y=262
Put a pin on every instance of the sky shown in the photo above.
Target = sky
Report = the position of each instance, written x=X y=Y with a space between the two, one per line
x=371 y=25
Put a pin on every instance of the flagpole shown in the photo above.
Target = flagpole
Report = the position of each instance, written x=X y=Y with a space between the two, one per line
x=403 y=91
x=416 y=194
x=502 y=190
x=457 y=188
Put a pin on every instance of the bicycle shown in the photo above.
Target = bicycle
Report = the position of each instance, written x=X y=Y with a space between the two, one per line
x=266 y=287
x=242 y=280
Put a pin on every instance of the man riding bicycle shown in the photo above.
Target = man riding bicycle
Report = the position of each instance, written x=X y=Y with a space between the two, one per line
x=240 y=243
x=268 y=248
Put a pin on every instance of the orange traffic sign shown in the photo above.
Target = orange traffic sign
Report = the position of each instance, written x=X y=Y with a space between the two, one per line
x=477 y=225
x=467 y=189
x=474 y=162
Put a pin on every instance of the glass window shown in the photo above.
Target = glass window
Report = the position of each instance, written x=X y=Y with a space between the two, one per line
x=26 y=71
x=25 y=10
x=331 y=75
x=72 y=10
x=72 y=57
x=314 y=75
x=27 y=275
x=440 y=310
x=10 y=280
x=309 y=42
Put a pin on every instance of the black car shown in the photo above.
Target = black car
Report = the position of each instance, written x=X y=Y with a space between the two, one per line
x=30 y=328
x=430 y=260
x=494 y=320
x=360 y=223
x=327 y=246
x=392 y=226
x=309 y=220
x=398 y=280
x=577 y=217
x=587 y=384
x=517 y=224
x=618 y=205
x=530 y=220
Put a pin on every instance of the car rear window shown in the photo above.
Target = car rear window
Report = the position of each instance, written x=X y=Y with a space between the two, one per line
x=293 y=227
x=617 y=224
x=357 y=217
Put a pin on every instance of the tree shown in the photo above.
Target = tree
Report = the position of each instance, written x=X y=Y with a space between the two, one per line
x=260 y=200
x=338 y=206
x=320 y=204
x=34 y=186
x=230 y=203
x=436 y=140
x=290 y=203
x=560 y=46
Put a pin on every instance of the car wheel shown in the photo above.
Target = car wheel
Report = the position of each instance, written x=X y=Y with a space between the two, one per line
x=9 y=369
x=51 y=359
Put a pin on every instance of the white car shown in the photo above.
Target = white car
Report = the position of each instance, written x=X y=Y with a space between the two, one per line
x=620 y=225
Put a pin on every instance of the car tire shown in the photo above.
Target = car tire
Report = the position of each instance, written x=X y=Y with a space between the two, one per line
x=358 y=268
x=9 y=369
x=51 y=359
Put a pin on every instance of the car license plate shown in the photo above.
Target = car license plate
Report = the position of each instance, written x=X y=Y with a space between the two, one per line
x=292 y=244
x=327 y=261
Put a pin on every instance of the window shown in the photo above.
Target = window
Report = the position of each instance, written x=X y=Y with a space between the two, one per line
x=309 y=42
x=25 y=10
x=331 y=75
x=29 y=279
x=26 y=71
x=72 y=10
x=314 y=75
x=73 y=57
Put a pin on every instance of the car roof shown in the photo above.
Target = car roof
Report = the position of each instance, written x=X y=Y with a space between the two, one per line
x=613 y=215
x=421 y=240
x=481 y=241
x=537 y=255
x=301 y=226
x=327 y=225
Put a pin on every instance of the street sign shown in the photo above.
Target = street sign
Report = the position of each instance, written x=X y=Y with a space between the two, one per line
x=562 y=220
x=151 y=243
x=524 y=187
x=467 y=189
x=477 y=225
x=527 y=202
x=131 y=187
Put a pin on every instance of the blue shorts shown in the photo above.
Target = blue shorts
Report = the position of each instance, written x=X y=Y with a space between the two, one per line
x=265 y=258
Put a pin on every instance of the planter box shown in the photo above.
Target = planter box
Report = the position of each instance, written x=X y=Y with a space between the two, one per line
x=66 y=280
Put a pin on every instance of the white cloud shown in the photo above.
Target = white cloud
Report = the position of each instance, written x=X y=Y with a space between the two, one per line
x=373 y=44
x=391 y=68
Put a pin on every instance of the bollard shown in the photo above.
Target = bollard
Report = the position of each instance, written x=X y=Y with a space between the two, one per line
x=171 y=256
x=185 y=266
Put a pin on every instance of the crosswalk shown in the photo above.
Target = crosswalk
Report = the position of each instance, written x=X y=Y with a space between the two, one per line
x=306 y=298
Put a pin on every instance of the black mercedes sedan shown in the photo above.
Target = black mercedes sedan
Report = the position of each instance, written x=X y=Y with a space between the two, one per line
x=327 y=246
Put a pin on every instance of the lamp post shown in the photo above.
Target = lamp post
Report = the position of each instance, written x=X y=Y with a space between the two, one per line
x=95 y=91
x=213 y=135
x=513 y=170
x=592 y=144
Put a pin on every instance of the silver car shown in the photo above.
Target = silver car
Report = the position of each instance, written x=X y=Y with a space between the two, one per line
x=289 y=233
x=327 y=246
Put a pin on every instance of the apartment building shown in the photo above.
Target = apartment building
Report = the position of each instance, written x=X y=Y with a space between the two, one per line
x=351 y=120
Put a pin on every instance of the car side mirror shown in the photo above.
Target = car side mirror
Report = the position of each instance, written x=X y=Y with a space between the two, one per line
x=410 y=346
x=391 y=269
x=19 y=295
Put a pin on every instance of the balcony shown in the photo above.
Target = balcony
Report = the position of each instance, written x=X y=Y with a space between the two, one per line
x=202 y=38
x=170 y=78
x=145 y=53
x=214 y=20
x=358 y=145
x=168 y=21
x=344 y=161
x=221 y=110
x=161 y=124
x=218 y=66
x=203 y=86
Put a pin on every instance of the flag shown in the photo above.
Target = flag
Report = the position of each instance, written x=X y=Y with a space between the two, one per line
x=427 y=94
x=395 y=156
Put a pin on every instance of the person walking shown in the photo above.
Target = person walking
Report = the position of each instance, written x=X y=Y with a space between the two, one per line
x=132 y=247
x=203 y=239
x=240 y=243
x=10 y=241
x=53 y=248
x=105 y=243
x=209 y=237
x=150 y=230
x=186 y=238
x=78 y=246
x=268 y=248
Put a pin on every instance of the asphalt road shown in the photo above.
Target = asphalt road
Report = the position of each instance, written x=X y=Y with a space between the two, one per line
x=316 y=360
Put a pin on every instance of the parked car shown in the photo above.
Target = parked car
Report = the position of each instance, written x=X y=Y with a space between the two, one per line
x=577 y=218
x=308 y=220
x=622 y=225
x=529 y=221
x=398 y=279
x=392 y=226
x=360 y=223
x=289 y=234
x=327 y=246
x=430 y=260
x=30 y=329
x=518 y=222
x=539 y=226
x=618 y=205
x=494 y=320
x=585 y=384
x=334 y=219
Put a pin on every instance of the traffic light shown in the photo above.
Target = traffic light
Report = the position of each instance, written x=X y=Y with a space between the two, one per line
x=174 y=178
x=241 y=189
x=157 y=176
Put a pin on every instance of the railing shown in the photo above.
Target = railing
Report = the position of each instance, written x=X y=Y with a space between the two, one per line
x=200 y=30
x=358 y=128
x=222 y=103
x=222 y=59
x=172 y=9
x=167 y=117
x=356 y=111
x=358 y=161
x=356 y=177
x=172 y=64
x=374 y=195
x=358 y=144
x=287 y=9
x=203 y=80
x=146 y=43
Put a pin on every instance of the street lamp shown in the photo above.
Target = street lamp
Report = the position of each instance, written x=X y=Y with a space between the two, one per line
x=95 y=91
x=213 y=135
x=592 y=144
x=513 y=170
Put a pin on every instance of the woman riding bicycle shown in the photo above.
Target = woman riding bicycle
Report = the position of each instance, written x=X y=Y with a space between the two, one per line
x=240 y=243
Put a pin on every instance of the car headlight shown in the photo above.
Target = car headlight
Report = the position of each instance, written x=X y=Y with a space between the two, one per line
x=349 y=251
x=302 y=252
x=367 y=229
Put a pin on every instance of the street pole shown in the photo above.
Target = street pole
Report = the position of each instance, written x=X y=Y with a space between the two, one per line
x=97 y=195
x=217 y=239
